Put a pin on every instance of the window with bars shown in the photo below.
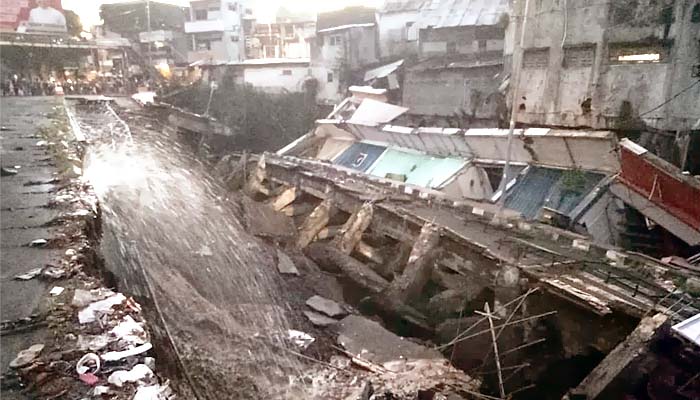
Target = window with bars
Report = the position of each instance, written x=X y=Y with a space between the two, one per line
x=637 y=54
x=579 y=56
x=536 y=58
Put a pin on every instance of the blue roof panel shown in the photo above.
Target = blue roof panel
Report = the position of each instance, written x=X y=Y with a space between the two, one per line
x=360 y=156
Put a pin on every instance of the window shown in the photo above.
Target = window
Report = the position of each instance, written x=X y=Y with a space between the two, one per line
x=579 y=56
x=200 y=15
x=451 y=47
x=482 y=45
x=336 y=40
x=330 y=77
x=233 y=7
x=287 y=72
x=202 y=45
x=234 y=38
x=536 y=58
x=695 y=14
x=637 y=53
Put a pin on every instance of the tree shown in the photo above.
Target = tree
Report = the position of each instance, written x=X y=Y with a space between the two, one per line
x=73 y=23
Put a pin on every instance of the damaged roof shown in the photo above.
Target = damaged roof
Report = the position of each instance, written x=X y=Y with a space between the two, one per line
x=391 y=6
x=454 y=13
x=346 y=17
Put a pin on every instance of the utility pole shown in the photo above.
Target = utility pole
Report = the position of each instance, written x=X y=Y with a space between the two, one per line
x=515 y=81
x=150 y=38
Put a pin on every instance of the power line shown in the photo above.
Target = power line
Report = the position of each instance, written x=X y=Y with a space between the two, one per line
x=671 y=99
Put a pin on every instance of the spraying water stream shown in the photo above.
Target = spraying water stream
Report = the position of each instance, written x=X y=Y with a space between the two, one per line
x=172 y=239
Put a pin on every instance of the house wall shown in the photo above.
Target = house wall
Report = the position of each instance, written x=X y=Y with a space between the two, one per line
x=339 y=53
x=398 y=34
x=227 y=20
x=447 y=92
x=569 y=79
x=461 y=40
x=272 y=79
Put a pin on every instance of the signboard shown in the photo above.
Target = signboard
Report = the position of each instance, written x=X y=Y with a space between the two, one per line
x=32 y=16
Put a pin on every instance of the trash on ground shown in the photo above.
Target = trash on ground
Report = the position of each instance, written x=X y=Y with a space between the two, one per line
x=90 y=362
x=93 y=342
x=38 y=243
x=100 y=390
x=53 y=272
x=89 y=314
x=140 y=372
x=130 y=331
x=299 y=338
x=82 y=298
x=27 y=356
x=57 y=290
x=90 y=379
x=31 y=274
x=155 y=392
x=118 y=355
x=8 y=172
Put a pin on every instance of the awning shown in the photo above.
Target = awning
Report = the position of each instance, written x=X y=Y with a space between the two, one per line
x=376 y=112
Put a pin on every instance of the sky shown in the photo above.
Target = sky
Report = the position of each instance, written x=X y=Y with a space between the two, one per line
x=88 y=10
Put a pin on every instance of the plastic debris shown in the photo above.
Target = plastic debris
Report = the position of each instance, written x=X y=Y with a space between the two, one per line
x=31 y=274
x=118 y=355
x=8 y=172
x=57 y=290
x=140 y=372
x=299 y=338
x=90 y=379
x=89 y=314
x=53 y=272
x=100 y=390
x=82 y=298
x=90 y=362
x=42 y=143
x=27 y=356
x=93 y=343
x=130 y=331
x=38 y=243
x=155 y=392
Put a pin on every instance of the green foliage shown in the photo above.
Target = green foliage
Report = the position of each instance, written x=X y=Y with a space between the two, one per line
x=260 y=121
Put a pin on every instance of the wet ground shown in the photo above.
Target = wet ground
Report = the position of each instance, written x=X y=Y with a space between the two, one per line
x=23 y=213
x=172 y=238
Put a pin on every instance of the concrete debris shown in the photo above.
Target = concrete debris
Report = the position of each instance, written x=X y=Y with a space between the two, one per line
x=56 y=291
x=27 y=356
x=88 y=363
x=372 y=342
x=285 y=265
x=154 y=392
x=8 y=171
x=119 y=355
x=299 y=338
x=53 y=273
x=330 y=258
x=100 y=390
x=286 y=198
x=139 y=373
x=353 y=229
x=314 y=223
x=320 y=320
x=31 y=274
x=91 y=312
x=326 y=306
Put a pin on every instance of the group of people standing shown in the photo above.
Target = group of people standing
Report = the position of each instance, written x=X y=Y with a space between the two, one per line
x=18 y=85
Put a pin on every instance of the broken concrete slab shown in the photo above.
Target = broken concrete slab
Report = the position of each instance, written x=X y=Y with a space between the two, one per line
x=262 y=221
x=285 y=265
x=286 y=198
x=320 y=320
x=372 y=342
x=327 y=307
x=634 y=346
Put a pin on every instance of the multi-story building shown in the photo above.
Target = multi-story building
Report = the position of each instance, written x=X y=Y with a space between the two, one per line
x=280 y=40
x=165 y=44
x=344 y=45
x=608 y=65
x=460 y=48
x=216 y=30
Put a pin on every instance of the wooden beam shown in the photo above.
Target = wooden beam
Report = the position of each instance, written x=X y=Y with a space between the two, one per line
x=314 y=223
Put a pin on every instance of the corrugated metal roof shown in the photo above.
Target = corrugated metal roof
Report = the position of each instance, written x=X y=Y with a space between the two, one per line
x=690 y=328
x=384 y=70
x=552 y=188
x=419 y=169
x=345 y=17
x=402 y=5
x=452 y=13
x=359 y=156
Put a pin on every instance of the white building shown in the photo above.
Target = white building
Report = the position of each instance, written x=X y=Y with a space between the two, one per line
x=398 y=31
x=217 y=30
x=276 y=75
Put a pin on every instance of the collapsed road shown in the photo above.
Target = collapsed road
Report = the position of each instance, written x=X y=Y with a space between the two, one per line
x=231 y=316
